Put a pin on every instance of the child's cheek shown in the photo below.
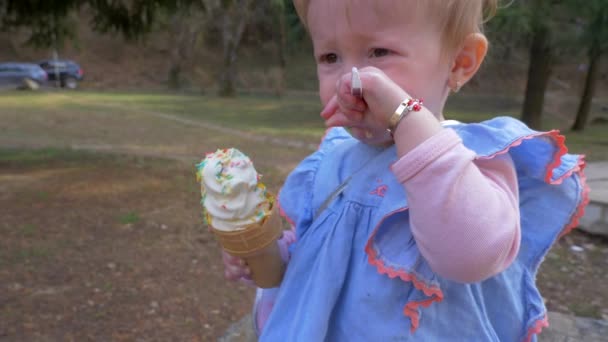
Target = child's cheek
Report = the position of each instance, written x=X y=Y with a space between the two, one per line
x=326 y=92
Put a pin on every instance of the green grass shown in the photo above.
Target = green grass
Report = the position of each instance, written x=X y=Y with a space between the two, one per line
x=42 y=195
x=20 y=157
x=29 y=254
x=108 y=286
x=26 y=157
x=294 y=116
x=291 y=116
x=592 y=142
x=129 y=218
x=23 y=157
x=28 y=230
x=584 y=309
x=6 y=313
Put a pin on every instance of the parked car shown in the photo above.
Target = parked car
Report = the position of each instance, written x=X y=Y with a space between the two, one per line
x=22 y=75
x=68 y=72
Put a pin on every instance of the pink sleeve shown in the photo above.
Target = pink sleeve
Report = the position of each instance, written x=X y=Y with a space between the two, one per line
x=464 y=212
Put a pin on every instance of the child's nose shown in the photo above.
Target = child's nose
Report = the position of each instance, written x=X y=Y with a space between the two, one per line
x=348 y=68
x=351 y=62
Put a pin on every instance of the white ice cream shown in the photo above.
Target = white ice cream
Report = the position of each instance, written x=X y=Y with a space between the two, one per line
x=233 y=197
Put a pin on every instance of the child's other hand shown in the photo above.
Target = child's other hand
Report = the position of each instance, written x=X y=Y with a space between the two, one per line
x=381 y=96
x=344 y=108
x=235 y=268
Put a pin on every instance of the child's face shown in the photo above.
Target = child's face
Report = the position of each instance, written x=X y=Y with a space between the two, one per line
x=398 y=39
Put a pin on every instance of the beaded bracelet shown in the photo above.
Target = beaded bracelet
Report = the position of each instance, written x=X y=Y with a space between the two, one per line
x=406 y=107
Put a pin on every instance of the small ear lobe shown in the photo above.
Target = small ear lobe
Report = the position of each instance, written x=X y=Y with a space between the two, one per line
x=468 y=59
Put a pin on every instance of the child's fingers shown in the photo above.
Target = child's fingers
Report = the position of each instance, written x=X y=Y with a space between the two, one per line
x=330 y=108
x=333 y=107
x=353 y=113
x=236 y=272
x=234 y=268
x=346 y=99
x=340 y=119
x=229 y=259
x=337 y=120
x=351 y=106
x=354 y=116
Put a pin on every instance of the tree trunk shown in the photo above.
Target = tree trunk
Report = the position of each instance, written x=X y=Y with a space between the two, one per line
x=175 y=59
x=56 y=73
x=14 y=46
x=234 y=21
x=174 y=78
x=584 y=107
x=539 y=70
x=228 y=73
x=184 y=28
x=282 y=52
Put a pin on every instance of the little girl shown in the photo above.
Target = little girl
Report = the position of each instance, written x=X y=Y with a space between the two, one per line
x=408 y=226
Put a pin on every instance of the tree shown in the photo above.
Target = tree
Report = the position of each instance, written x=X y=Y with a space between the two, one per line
x=540 y=64
x=231 y=18
x=534 y=21
x=291 y=34
x=185 y=25
x=281 y=13
x=46 y=18
x=594 y=37
x=135 y=18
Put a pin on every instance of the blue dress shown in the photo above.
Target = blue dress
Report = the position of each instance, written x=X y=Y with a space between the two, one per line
x=356 y=274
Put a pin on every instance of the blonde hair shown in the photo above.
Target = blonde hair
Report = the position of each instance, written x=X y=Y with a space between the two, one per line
x=456 y=18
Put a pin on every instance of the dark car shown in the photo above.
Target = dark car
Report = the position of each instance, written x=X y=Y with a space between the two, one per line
x=68 y=72
x=21 y=75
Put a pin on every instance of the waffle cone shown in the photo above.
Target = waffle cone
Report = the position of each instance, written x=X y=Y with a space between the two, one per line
x=256 y=244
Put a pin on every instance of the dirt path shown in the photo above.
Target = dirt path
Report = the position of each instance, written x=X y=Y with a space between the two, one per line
x=109 y=249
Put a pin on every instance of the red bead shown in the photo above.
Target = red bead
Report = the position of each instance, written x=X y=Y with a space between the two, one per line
x=416 y=108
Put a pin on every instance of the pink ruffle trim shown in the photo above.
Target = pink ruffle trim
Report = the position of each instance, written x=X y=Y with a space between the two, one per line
x=411 y=308
x=537 y=327
x=434 y=292
x=284 y=214
x=580 y=210
x=558 y=139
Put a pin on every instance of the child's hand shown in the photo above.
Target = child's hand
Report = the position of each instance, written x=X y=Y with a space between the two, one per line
x=367 y=116
x=235 y=268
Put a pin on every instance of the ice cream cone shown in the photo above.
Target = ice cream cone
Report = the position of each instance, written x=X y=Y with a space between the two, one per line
x=256 y=244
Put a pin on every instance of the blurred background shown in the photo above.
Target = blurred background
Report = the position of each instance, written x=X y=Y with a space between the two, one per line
x=106 y=105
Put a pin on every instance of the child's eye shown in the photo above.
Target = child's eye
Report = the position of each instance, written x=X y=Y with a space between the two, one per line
x=328 y=58
x=379 y=52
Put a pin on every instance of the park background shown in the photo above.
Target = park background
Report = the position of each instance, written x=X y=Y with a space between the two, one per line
x=102 y=232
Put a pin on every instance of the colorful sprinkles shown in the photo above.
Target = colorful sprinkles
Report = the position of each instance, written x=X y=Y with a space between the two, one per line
x=231 y=174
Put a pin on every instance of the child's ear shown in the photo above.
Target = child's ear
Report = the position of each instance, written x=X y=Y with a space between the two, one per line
x=467 y=60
